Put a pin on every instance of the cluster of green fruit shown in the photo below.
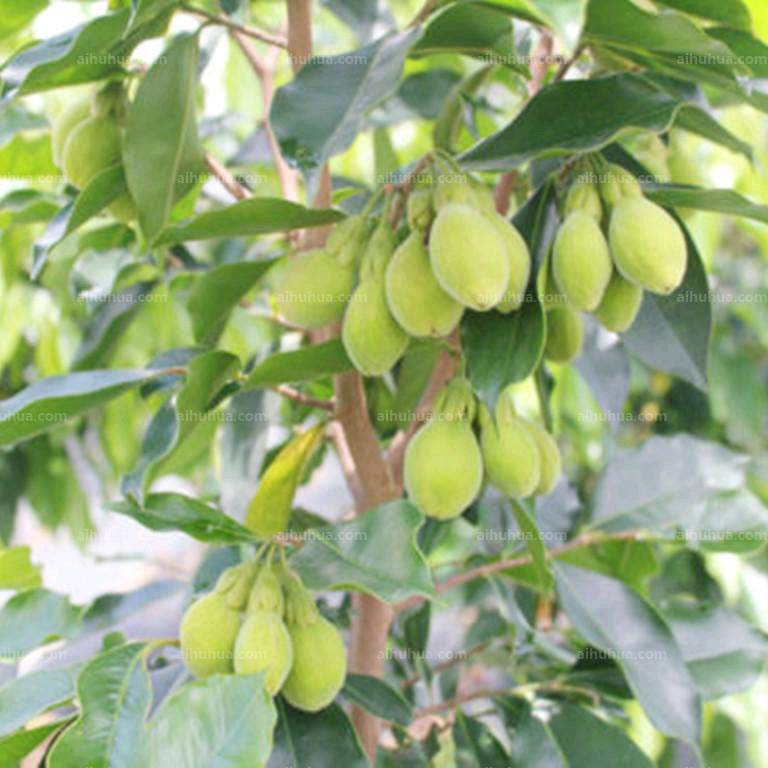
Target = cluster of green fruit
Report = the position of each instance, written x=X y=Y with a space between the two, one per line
x=456 y=252
x=261 y=618
x=87 y=138
x=645 y=249
x=445 y=462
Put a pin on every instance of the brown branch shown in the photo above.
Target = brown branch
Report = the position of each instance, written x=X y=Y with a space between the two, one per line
x=304 y=399
x=253 y=32
x=228 y=181
x=540 y=62
x=503 y=192
x=567 y=64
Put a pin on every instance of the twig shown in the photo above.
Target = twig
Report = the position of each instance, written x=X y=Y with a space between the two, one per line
x=504 y=191
x=257 y=34
x=304 y=399
x=229 y=182
x=426 y=11
x=567 y=64
x=540 y=63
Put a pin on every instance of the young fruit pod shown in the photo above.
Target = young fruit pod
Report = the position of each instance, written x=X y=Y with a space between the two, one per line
x=618 y=183
x=313 y=289
x=452 y=188
x=443 y=464
x=111 y=102
x=346 y=242
x=370 y=334
x=550 y=461
x=74 y=113
x=264 y=644
x=468 y=257
x=207 y=635
x=620 y=305
x=415 y=298
x=653 y=154
x=647 y=245
x=319 y=656
x=510 y=454
x=584 y=197
x=92 y=146
x=419 y=210
x=565 y=334
x=581 y=261
x=519 y=262
x=267 y=592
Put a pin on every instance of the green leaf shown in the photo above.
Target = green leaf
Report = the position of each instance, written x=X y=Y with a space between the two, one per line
x=216 y=294
x=270 y=509
x=535 y=545
x=257 y=216
x=114 y=694
x=724 y=201
x=368 y=19
x=339 y=91
x=376 y=554
x=48 y=402
x=161 y=151
x=502 y=349
x=315 y=361
x=175 y=512
x=671 y=333
x=731 y=12
x=575 y=116
x=618 y=621
x=14 y=16
x=32 y=618
x=18 y=745
x=476 y=745
x=697 y=120
x=324 y=739
x=28 y=696
x=225 y=721
x=17 y=571
x=379 y=698
x=751 y=51
x=450 y=120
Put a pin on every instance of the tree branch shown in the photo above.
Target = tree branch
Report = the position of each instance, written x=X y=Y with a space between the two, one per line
x=255 y=33
x=228 y=181
x=303 y=399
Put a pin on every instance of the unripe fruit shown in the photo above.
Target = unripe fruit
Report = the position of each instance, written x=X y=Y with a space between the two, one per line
x=653 y=154
x=319 y=665
x=583 y=196
x=264 y=645
x=468 y=257
x=66 y=121
x=419 y=211
x=443 y=468
x=550 y=461
x=565 y=334
x=618 y=183
x=510 y=454
x=647 y=245
x=519 y=262
x=620 y=305
x=483 y=197
x=373 y=339
x=415 y=298
x=93 y=146
x=453 y=188
x=207 y=635
x=347 y=241
x=682 y=167
x=581 y=261
x=314 y=289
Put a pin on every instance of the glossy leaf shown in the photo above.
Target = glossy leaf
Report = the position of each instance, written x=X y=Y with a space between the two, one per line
x=378 y=698
x=724 y=201
x=535 y=545
x=324 y=359
x=376 y=553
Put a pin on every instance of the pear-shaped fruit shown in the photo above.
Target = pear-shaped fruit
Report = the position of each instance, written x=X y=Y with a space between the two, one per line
x=647 y=245
x=653 y=154
x=208 y=634
x=510 y=454
x=74 y=113
x=264 y=645
x=565 y=334
x=519 y=262
x=415 y=298
x=468 y=257
x=94 y=145
x=373 y=339
x=346 y=242
x=583 y=196
x=620 y=305
x=617 y=183
x=319 y=665
x=314 y=289
x=452 y=188
x=419 y=211
x=550 y=461
x=581 y=261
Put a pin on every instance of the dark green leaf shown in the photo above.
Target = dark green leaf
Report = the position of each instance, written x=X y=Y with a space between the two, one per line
x=731 y=12
x=368 y=19
x=324 y=359
x=378 y=698
x=535 y=546
x=477 y=746
x=697 y=120
x=718 y=200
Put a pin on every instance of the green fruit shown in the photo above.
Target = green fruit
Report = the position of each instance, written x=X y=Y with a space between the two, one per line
x=468 y=257
x=346 y=242
x=550 y=462
x=653 y=154
x=519 y=263
x=419 y=211
x=452 y=188
x=443 y=468
x=647 y=245
x=123 y=208
x=483 y=197
x=208 y=634
x=373 y=339
x=314 y=289
x=93 y=146
x=565 y=334
x=682 y=167
x=319 y=665
x=581 y=261
x=264 y=645
x=583 y=196
x=76 y=112
x=415 y=298
x=511 y=457
x=620 y=305
x=617 y=183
